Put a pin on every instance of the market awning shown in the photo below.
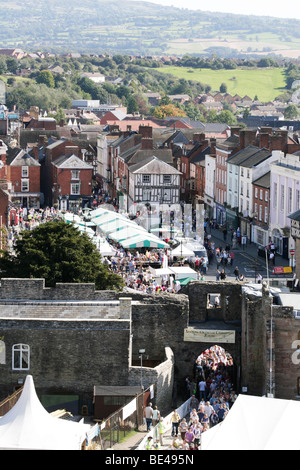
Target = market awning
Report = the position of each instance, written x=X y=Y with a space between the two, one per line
x=182 y=250
x=87 y=230
x=143 y=242
x=185 y=280
x=125 y=233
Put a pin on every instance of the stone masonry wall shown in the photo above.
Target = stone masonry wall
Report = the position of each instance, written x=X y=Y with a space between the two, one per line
x=66 y=356
x=163 y=378
x=34 y=289
x=230 y=296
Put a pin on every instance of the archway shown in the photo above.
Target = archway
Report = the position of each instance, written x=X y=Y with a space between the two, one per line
x=215 y=368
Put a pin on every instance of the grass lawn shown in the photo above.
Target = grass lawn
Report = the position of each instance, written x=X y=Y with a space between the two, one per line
x=266 y=83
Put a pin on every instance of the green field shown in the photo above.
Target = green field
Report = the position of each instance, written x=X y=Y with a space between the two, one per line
x=265 y=83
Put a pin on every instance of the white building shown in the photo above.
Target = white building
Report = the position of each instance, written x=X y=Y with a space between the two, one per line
x=209 y=196
x=242 y=169
x=284 y=200
x=94 y=76
x=153 y=181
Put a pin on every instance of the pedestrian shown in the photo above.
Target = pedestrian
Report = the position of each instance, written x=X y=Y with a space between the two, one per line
x=183 y=427
x=272 y=258
x=205 y=420
x=218 y=275
x=214 y=418
x=175 y=419
x=223 y=275
x=221 y=412
x=175 y=444
x=236 y=272
x=194 y=403
x=161 y=430
x=156 y=445
x=148 y=445
x=197 y=434
x=155 y=416
x=202 y=389
x=148 y=415
x=189 y=436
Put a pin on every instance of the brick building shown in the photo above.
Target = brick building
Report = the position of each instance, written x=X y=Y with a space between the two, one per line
x=261 y=209
x=23 y=178
x=66 y=178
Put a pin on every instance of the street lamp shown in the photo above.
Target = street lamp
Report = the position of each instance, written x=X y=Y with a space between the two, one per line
x=141 y=352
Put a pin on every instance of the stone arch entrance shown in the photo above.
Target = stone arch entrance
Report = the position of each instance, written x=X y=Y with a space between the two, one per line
x=215 y=366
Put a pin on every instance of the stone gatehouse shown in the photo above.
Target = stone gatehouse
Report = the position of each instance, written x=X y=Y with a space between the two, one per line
x=72 y=337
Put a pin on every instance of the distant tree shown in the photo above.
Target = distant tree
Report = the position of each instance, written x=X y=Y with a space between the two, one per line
x=46 y=77
x=291 y=112
x=226 y=117
x=132 y=105
x=223 y=88
x=168 y=110
x=58 y=252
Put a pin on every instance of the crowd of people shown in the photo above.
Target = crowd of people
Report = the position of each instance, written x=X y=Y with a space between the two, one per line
x=211 y=392
x=28 y=219
x=135 y=269
x=212 y=395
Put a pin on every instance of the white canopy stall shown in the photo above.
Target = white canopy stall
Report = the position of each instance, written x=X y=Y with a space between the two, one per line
x=256 y=423
x=28 y=426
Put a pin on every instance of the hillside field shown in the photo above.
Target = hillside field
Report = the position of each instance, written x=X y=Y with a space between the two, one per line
x=265 y=83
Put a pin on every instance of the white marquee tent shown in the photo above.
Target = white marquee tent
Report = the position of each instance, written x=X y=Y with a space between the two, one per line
x=28 y=426
x=256 y=423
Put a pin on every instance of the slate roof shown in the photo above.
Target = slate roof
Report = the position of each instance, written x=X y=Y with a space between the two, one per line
x=257 y=158
x=71 y=161
x=154 y=166
x=263 y=181
x=242 y=155
x=295 y=215
x=18 y=157
x=165 y=155
x=200 y=157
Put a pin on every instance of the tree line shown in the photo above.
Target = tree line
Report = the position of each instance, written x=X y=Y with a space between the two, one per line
x=52 y=91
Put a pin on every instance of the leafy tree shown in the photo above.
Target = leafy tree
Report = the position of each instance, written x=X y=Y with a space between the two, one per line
x=132 y=105
x=58 y=252
x=291 y=112
x=226 y=117
x=168 y=110
x=46 y=77
x=223 y=88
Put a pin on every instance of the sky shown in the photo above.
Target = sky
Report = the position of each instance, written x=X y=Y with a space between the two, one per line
x=285 y=9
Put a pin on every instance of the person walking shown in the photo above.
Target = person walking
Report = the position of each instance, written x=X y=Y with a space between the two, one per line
x=148 y=445
x=175 y=420
x=155 y=419
x=148 y=415
x=202 y=389
x=236 y=272
x=155 y=416
x=189 y=436
x=161 y=430
x=194 y=403
x=183 y=427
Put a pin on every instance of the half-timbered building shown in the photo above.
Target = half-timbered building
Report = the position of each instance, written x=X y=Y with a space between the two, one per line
x=153 y=181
